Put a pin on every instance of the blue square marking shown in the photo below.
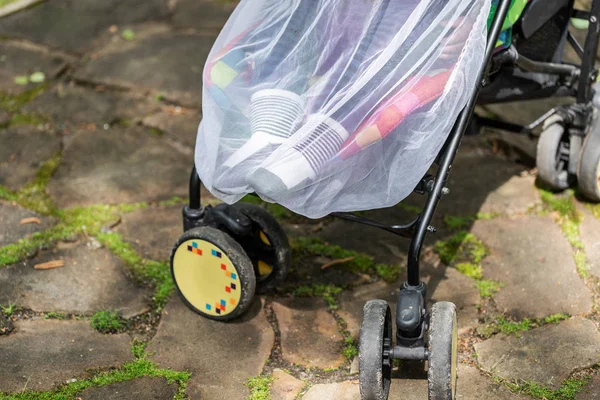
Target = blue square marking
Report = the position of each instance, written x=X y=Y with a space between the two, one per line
x=215 y=253
x=233 y=276
x=208 y=307
x=195 y=245
x=223 y=302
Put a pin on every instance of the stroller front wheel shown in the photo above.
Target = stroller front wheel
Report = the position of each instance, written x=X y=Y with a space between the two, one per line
x=588 y=174
x=443 y=352
x=552 y=158
x=375 y=370
x=213 y=274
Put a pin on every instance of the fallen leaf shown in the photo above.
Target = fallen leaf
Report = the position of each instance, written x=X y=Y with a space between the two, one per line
x=113 y=29
x=50 y=264
x=31 y=220
x=37 y=77
x=22 y=80
x=339 y=261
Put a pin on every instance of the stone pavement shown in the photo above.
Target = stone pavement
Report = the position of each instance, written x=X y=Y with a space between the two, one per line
x=94 y=163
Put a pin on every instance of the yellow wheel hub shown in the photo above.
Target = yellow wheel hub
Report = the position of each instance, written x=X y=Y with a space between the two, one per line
x=206 y=277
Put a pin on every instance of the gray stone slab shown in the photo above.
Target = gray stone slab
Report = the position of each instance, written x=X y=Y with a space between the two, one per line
x=69 y=106
x=547 y=355
x=534 y=260
x=23 y=60
x=472 y=384
x=202 y=14
x=79 y=25
x=119 y=165
x=42 y=354
x=142 y=388
x=285 y=386
x=167 y=63
x=309 y=334
x=152 y=232
x=347 y=390
x=590 y=236
x=91 y=280
x=592 y=390
x=4 y=117
x=11 y=229
x=182 y=127
x=24 y=149
x=221 y=356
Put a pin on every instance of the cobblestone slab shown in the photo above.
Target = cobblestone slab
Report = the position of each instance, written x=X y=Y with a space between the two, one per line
x=79 y=25
x=175 y=70
x=18 y=60
x=11 y=229
x=24 y=149
x=285 y=386
x=533 y=259
x=70 y=106
x=592 y=391
x=152 y=231
x=44 y=353
x=590 y=236
x=347 y=390
x=309 y=334
x=221 y=356
x=91 y=280
x=547 y=355
x=202 y=14
x=181 y=127
x=93 y=169
x=142 y=388
x=472 y=384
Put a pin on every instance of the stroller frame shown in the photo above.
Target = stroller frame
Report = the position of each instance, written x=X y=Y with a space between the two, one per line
x=412 y=318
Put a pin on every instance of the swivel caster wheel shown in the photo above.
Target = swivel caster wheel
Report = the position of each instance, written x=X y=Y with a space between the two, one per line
x=443 y=352
x=588 y=174
x=552 y=157
x=267 y=247
x=375 y=367
x=213 y=274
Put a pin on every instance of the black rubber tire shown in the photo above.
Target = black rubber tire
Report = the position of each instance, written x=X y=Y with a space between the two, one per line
x=552 y=172
x=374 y=377
x=588 y=174
x=238 y=258
x=443 y=348
x=277 y=252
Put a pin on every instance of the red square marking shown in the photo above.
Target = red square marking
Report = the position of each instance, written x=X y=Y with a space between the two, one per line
x=223 y=267
x=227 y=289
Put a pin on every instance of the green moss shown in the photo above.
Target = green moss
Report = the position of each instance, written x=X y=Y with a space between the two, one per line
x=594 y=208
x=457 y=222
x=581 y=263
x=360 y=262
x=107 y=321
x=260 y=387
x=156 y=131
x=563 y=204
x=137 y=368
x=410 y=209
x=388 y=272
x=27 y=119
x=276 y=210
x=350 y=349
x=327 y=291
x=54 y=315
x=173 y=201
x=462 y=246
x=12 y=103
x=487 y=287
x=471 y=270
x=567 y=391
x=556 y=318
x=570 y=229
x=8 y=309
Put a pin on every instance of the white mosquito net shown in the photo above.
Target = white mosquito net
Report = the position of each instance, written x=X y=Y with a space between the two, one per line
x=335 y=105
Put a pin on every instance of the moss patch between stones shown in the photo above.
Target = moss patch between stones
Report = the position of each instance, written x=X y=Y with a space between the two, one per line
x=511 y=327
x=356 y=261
x=328 y=292
x=465 y=252
x=107 y=321
x=567 y=391
x=462 y=222
x=260 y=387
x=567 y=217
x=138 y=368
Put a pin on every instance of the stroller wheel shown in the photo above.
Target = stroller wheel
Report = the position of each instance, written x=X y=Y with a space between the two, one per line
x=588 y=175
x=212 y=273
x=443 y=349
x=552 y=158
x=375 y=368
x=267 y=247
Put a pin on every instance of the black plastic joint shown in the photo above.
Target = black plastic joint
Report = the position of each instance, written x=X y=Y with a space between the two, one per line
x=192 y=218
x=409 y=310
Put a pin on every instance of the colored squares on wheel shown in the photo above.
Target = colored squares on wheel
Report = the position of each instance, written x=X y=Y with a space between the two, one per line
x=194 y=249
x=216 y=253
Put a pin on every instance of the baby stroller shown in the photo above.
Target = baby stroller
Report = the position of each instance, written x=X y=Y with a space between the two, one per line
x=230 y=252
